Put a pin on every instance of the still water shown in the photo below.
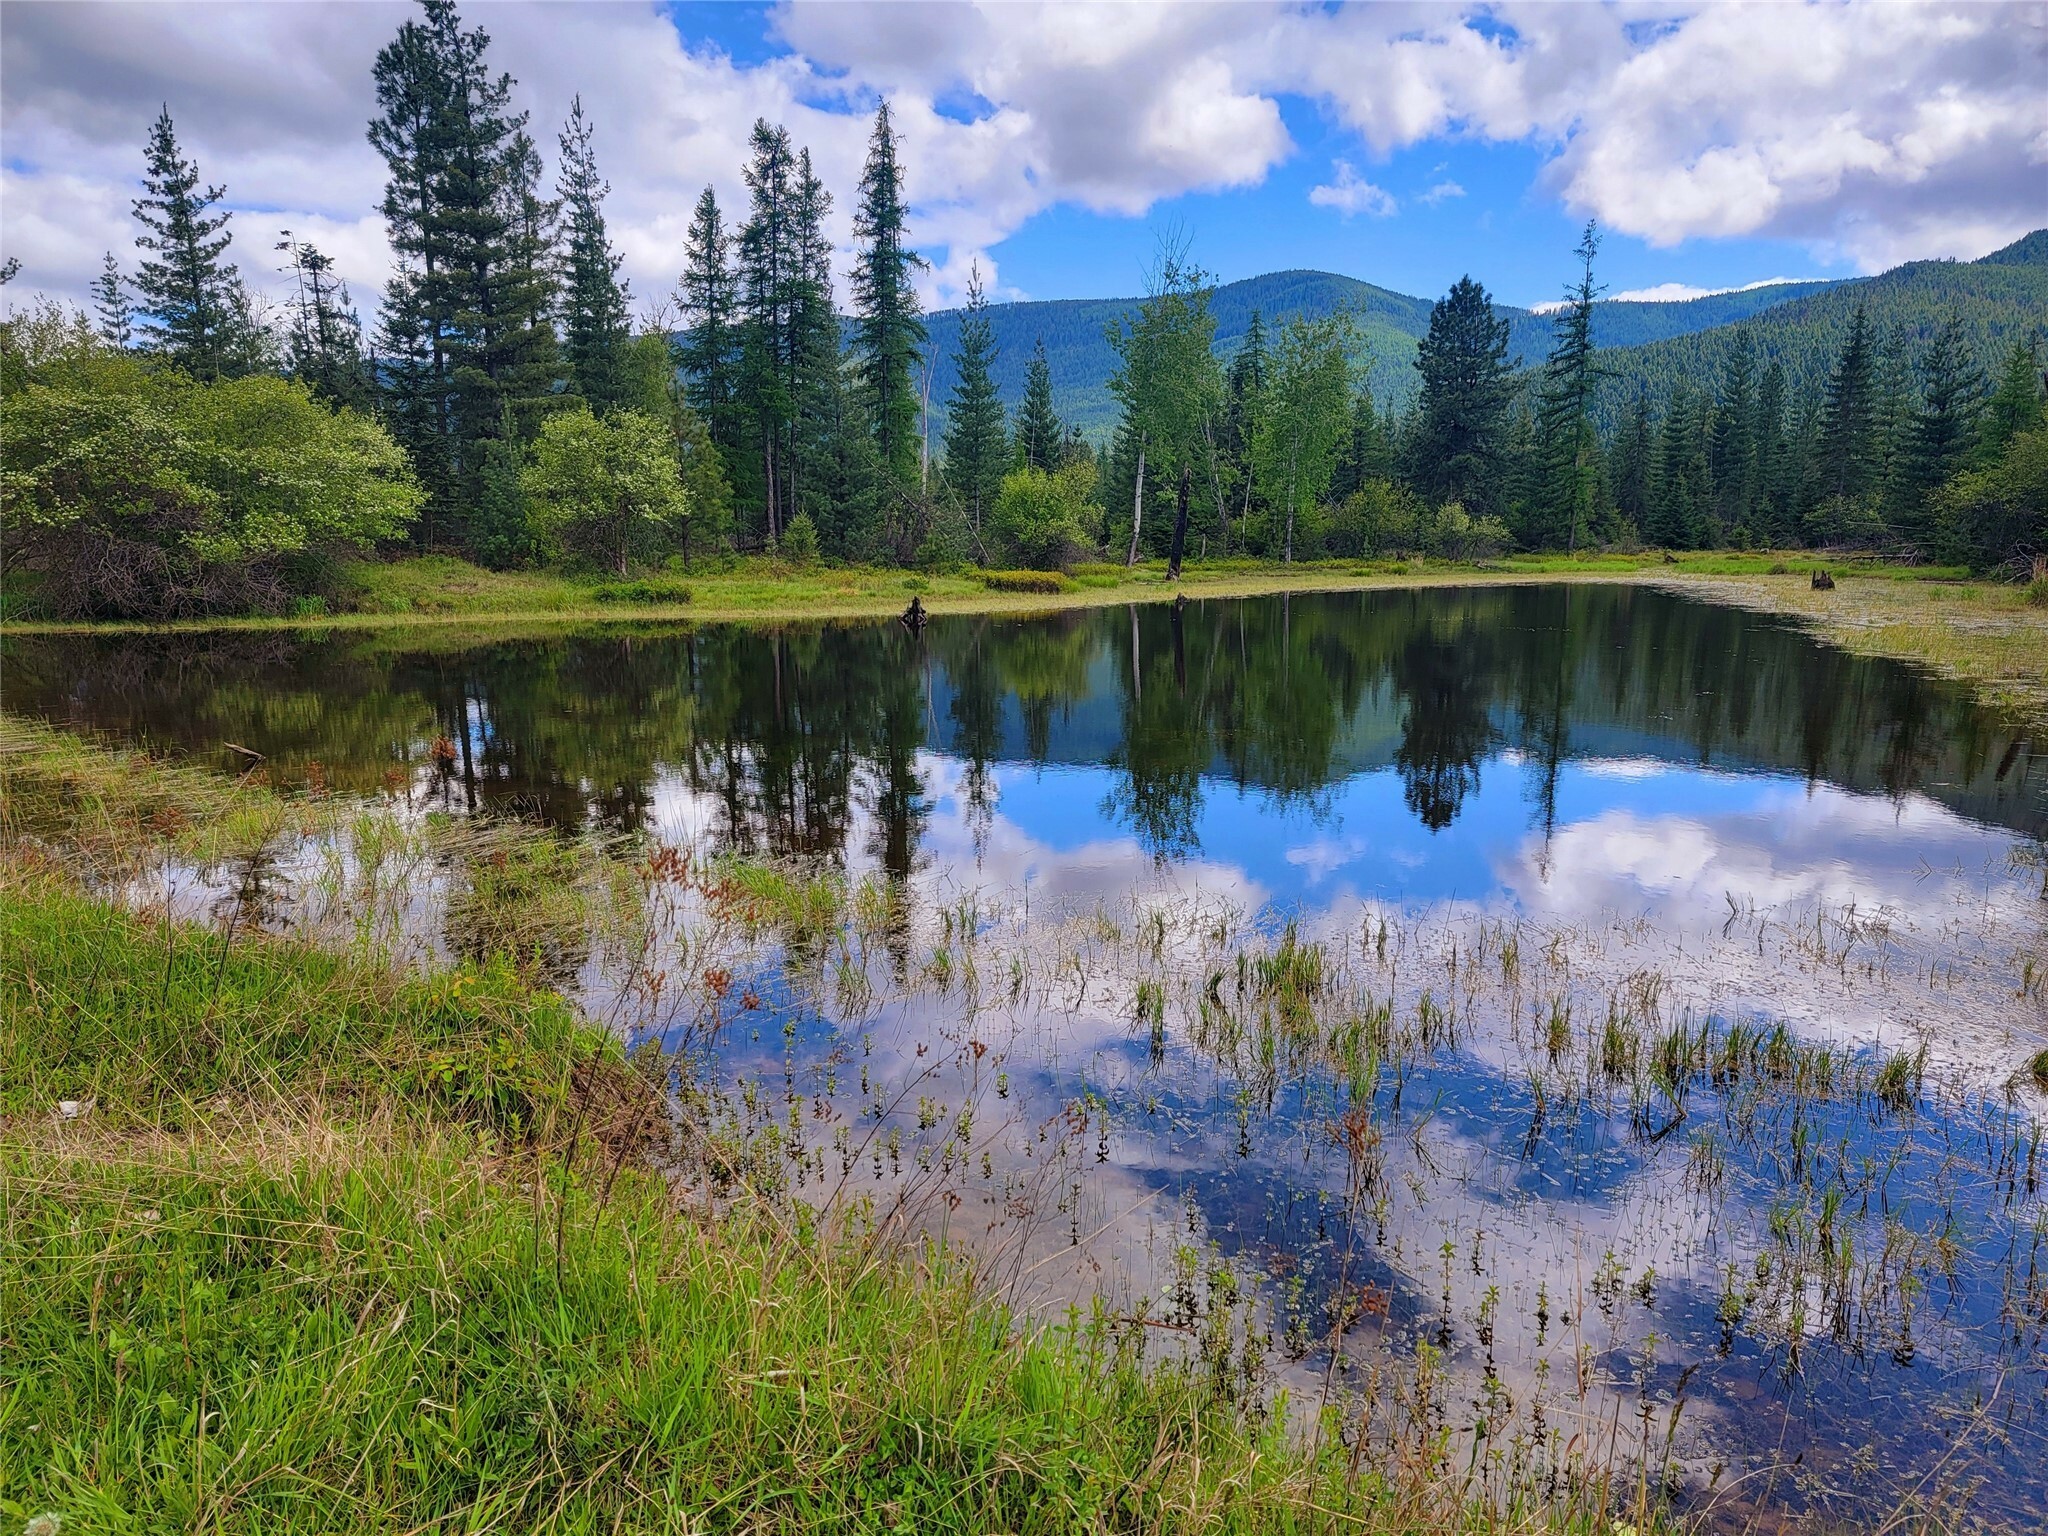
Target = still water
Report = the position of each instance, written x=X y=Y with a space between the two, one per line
x=1497 y=985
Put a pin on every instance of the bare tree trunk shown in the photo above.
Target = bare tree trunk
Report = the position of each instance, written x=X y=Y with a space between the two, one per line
x=1137 y=505
x=1293 y=479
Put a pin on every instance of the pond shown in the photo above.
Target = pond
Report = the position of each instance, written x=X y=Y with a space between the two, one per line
x=1565 y=1026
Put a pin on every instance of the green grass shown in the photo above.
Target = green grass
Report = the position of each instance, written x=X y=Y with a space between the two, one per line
x=335 y=1250
x=155 y=1022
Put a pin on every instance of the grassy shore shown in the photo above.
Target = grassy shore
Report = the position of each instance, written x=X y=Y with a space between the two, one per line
x=1986 y=633
x=441 y=590
x=296 y=1243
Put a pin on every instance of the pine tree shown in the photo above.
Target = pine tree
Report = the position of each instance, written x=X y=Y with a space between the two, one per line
x=596 y=327
x=816 y=376
x=1845 y=456
x=2015 y=406
x=1944 y=427
x=1362 y=453
x=185 y=289
x=1454 y=453
x=1776 y=484
x=1563 y=501
x=324 y=346
x=1733 y=453
x=1244 y=395
x=111 y=305
x=709 y=353
x=411 y=132
x=1634 y=465
x=1038 y=425
x=770 y=278
x=467 y=328
x=888 y=331
x=975 y=450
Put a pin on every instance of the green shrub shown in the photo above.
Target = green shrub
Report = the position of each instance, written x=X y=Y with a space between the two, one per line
x=1024 y=581
x=799 y=544
x=648 y=589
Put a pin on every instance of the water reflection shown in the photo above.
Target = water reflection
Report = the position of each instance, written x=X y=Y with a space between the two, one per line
x=1265 y=705
x=1692 y=815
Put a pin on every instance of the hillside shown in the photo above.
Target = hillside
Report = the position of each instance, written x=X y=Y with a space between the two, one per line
x=1999 y=297
x=1075 y=332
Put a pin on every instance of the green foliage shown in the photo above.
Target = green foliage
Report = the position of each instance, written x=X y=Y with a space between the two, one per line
x=1024 y=581
x=189 y=298
x=799 y=544
x=1295 y=449
x=888 y=332
x=1455 y=449
x=1048 y=520
x=136 y=491
x=607 y=491
x=976 y=452
x=596 y=331
x=1999 y=513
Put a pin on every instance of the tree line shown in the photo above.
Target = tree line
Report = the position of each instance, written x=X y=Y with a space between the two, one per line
x=507 y=403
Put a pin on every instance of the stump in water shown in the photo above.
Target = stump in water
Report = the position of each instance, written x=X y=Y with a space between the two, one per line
x=912 y=618
x=1670 y=558
x=1823 y=582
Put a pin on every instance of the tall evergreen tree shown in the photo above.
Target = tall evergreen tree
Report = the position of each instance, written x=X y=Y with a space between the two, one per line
x=975 y=450
x=1454 y=452
x=1633 y=471
x=468 y=329
x=185 y=288
x=1776 y=480
x=1038 y=424
x=1733 y=450
x=1944 y=427
x=596 y=327
x=1845 y=455
x=1566 y=476
x=2015 y=406
x=111 y=305
x=888 y=331
x=411 y=132
x=1363 y=453
x=771 y=277
x=817 y=375
x=709 y=352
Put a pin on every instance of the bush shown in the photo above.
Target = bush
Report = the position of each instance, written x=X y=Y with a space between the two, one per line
x=1048 y=520
x=800 y=541
x=133 y=491
x=646 y=590
x=1024 y=581
x=606 y=490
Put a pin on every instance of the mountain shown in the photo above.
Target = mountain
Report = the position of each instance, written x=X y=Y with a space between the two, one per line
x=1999 y=297
x=1077 y=349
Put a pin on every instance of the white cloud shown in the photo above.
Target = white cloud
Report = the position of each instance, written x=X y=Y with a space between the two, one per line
x=1441 y=192
x=1350 y=193
x=1665 y=293
x=1868 y=133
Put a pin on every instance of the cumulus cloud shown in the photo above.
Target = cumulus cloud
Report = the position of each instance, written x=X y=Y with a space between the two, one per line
x=1350 y=193
x=1869 y=134
x=1443 y=191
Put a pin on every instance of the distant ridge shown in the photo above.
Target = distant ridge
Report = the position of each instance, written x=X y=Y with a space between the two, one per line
x=1649 y=344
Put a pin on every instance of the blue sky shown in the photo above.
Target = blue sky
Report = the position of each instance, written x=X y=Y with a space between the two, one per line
x=1402 y=143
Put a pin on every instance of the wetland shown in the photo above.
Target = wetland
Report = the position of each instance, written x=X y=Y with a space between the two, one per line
x=1534 y=1032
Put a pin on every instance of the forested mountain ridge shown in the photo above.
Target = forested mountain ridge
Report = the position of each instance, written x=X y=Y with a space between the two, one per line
x=1999 y=298
x=1079 y=355
x=1648 y=345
